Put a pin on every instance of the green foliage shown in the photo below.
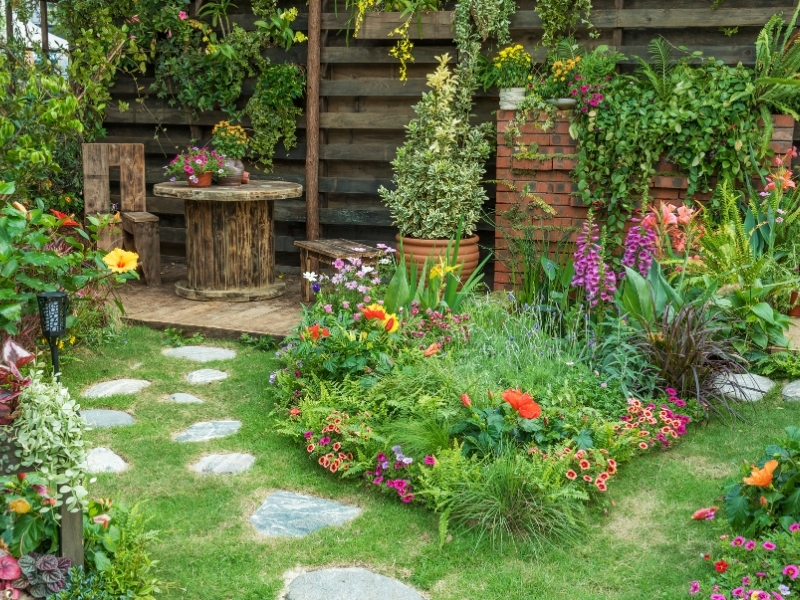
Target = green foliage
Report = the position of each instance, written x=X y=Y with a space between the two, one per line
x=438 y=170
x=28 y=520
x=272 y=111
x=116 y=541
x=264 y=343
x=510 y=68
x=83 y=585
x=560 y=17
x=491 y=18
x=36 y=255
x=771 y=501
x=779 y=364
x=49 y=434
x=176 y=338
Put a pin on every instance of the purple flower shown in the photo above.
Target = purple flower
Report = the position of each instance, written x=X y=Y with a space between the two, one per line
x=338 y=264
x=738 y=541
x=717 y=597
x=694 y=587
x=640 y=248
x=345 y=304
x=324 y=441
x=272 y=377
x=739 y=591
x=308 y=435
x=591 y=272
x=316 y=287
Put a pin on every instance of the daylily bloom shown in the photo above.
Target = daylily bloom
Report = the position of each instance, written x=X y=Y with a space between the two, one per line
x=685 y=214
x=294 y=412
x=668 y=214
x=120 y=261
x=523 y=403
x=64 y=219
x=762 y=477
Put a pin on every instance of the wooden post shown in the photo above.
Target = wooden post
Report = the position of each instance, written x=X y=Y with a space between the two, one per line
x=43 y=27
x=312 y=120
x=9 y=22
x=617 y=36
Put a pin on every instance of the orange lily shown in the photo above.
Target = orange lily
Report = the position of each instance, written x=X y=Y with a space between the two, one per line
x=762 y=477
x=66 y=220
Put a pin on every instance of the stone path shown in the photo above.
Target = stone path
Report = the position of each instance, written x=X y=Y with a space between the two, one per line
x=115 y=387
x=791 y=392
x=104 y=460
x=182 y=398
x=348 y=584
x=208 y=430
x=102 y=418
x=745 y=387
x=218 y=464
x=204 y=376
x=200 y=353
x=296 y=515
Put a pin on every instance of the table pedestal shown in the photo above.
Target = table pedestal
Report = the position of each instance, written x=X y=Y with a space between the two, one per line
x=230 y=251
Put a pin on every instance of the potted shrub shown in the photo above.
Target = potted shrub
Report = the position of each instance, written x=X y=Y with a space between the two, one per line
x=231 y=142
x=438 y=170
x=198 y=166
x=510 y=71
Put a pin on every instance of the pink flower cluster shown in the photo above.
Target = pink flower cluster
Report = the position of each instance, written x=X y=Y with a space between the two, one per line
x=591 y=273
x=445 y=326
x=382 y=463
x=588 y=96
x=647 y=421
x=640 y=249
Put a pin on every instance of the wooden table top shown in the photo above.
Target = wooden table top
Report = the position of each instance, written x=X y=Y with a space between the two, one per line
x=253 y=191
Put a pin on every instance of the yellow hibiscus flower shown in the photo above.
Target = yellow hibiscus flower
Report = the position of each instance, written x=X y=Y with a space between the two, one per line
x=120 y=261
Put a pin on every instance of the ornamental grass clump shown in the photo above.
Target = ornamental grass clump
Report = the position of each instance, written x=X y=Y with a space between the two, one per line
x=438 y=170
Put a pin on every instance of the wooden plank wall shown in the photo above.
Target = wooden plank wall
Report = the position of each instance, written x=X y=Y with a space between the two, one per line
x=364 y=106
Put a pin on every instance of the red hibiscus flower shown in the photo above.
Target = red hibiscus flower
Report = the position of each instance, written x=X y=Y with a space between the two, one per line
x=523 y=403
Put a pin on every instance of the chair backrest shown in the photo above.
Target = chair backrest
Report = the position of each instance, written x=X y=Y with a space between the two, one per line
x=97 y=159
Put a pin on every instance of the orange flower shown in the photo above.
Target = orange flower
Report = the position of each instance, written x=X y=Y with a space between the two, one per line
x=374 y=311
x=466 y=400
x=432 y=349
x=294 y=412
x=523 y=403
x=762 y=477
x=704 y=513
x=316 y=332
x=66 y=220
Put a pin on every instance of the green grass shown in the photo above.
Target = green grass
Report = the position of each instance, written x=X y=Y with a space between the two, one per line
x=643 y=546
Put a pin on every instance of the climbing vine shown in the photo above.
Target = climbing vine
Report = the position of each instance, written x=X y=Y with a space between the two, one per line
x=560 y=17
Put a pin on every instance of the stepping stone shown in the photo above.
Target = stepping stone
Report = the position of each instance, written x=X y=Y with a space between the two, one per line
x=206 y=376
x=182 y=398
x=200 y=353
x=296 y=515
x=102 y=418
x=744 y=387
x=104 y=460
x=791 y=392
x=115 y=387
x=208 y=430
x=218 y=464
x=346 y=584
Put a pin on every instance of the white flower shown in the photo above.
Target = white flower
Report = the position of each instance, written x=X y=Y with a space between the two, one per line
x=366 y=270
x=221 y=171
x=385 y=261
x=310 y=275
x=570 y=364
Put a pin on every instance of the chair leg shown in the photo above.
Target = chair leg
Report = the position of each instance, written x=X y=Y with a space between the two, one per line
x=148 y=246
x=305 y=284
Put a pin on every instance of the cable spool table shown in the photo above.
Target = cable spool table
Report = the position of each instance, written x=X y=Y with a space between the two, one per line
x=230 y=239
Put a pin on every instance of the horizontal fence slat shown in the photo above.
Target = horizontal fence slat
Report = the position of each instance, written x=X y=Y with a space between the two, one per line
x=381 y=87
x=355 y=55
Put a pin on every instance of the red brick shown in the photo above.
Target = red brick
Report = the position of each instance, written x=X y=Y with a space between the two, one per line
x=572 y=212
x=504 y=151
x=564 y=164
x=503 y=162
x=665 y=167
x=536 y=165
x=561 y=127
x=506 y=115
x=505 y=197
x=559 y=139
x=577 y=201
x=665 y=193
x=783 y=120
x=661 y=181
x=783 y=135
x=780 y=147
x=540 y=139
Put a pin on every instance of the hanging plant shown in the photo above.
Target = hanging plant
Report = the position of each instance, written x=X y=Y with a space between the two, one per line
x=560 y=17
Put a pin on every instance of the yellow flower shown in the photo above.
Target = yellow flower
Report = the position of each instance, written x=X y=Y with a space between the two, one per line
x=390 y=323
x=120 y=261
x=72 y=340
x=20 y=506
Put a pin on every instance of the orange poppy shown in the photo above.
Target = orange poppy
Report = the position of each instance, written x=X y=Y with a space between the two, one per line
x=316 y=331
x=523 y=403
x=762 y=477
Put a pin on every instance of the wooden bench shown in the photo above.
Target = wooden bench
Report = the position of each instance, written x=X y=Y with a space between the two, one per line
x=140 y=230
x=315 y=253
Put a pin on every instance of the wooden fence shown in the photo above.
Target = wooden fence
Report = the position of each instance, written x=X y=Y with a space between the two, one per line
x=364 y=107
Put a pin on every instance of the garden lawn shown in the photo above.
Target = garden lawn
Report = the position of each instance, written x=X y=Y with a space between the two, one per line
x=644 y=546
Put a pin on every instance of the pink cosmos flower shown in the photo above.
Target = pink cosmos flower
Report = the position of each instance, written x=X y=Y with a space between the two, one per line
x=792 y=571
x=182 y=15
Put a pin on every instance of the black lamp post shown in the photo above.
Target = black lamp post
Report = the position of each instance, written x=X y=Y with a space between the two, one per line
x=53 y=316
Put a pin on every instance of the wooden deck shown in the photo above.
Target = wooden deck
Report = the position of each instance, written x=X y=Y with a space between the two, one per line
x=160 y=308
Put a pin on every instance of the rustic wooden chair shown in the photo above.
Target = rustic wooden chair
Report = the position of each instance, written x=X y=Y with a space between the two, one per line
x=140 y=231
x=315 y=253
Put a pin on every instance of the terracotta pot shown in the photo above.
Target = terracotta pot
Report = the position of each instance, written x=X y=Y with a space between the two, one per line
x=795 y=311
x=235 y=178
x=203 y=180
x=418 y=250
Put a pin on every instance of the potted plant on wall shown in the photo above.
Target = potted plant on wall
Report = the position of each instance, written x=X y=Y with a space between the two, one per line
x=510 y=71
x=198 y=166
x=231 y=142
x=438 y=170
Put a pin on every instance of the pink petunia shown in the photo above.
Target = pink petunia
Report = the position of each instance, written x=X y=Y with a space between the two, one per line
x=182 y=15
x=792 y=571
x=694 y=587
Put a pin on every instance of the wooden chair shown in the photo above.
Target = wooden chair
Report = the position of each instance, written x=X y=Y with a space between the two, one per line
x=315 y=253
x=140 y=231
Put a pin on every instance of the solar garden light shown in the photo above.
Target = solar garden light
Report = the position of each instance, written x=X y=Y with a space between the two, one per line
x=53 y=316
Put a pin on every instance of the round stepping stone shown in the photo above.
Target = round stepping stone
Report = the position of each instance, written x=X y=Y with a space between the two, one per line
x=115 y=387
x=744 y=387
x=104 y=460
x=296 y=515
x=346 y=584
x=182 y=398
x=206 y=376
x=208 y=430
x=200 y=353
x=219 y=464
x=102 y=418
x=791 y=392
